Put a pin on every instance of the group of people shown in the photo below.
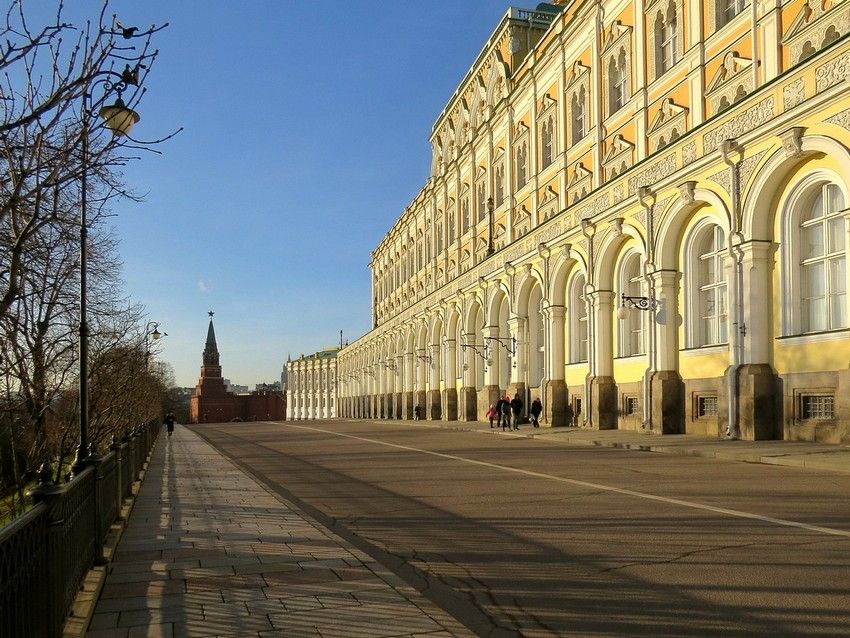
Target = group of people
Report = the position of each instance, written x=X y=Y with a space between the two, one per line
x=506 y=408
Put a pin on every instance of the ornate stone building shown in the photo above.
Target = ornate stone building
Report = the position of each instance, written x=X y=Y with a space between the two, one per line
x=312 y=386
x=212 y=403
x=686 y=160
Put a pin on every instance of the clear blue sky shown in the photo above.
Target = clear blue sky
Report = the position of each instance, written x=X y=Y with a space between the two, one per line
x=306 y=134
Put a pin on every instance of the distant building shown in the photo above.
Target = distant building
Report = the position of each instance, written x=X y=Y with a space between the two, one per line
x=311 y=386
x=212 y=403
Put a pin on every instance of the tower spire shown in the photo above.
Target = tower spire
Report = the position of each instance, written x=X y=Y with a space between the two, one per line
x=210 y=357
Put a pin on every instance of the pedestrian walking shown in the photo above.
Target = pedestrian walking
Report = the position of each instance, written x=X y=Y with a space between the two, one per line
x=516 y=408
x=417 y=413
x=169 y=423
x=536 y=409
x=505 y=412
x=491 y=414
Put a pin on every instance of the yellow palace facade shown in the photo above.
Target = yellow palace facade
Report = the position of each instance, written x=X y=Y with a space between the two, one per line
x=637 y=212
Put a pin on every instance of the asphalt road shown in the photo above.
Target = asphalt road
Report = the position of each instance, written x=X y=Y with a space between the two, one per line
x=517 y=536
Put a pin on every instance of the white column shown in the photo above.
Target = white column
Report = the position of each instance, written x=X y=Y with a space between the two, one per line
x=757 y=266
x=555 y=319
x=434 y=367
x=451 y=363
x=603 y=359
x=666 y=324
x=491 y=370
x=517 y=327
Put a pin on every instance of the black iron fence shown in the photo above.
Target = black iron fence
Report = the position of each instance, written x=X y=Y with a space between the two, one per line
x=46 y=553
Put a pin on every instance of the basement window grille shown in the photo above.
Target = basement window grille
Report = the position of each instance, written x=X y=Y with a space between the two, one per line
x=631 y=405
x=817 y=406
x=706 y=406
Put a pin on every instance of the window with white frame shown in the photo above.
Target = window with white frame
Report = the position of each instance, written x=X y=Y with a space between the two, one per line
x=666 y=39
x=726 y=10
x=631 y=338
x=499 y=180
x=708 y=253
x=618 y=79
x=547 y=141
x=521 y=164
x=464 y=205
x=578 y=320
x=822 y=274
x=451 y=226
x=481 y=200
x=578 y=116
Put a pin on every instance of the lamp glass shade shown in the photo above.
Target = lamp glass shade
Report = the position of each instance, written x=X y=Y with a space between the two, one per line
x=156 y=334
x=623 y=312
x=119 y=118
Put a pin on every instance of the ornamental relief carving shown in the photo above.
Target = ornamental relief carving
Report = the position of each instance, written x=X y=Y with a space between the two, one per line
x=723 y=179
x=832 y=72
x=653 y=174
x=793 y=94
x=815 y=27
x=742 y=123
x=689 y=153
x=734 y=92
x=840 y=119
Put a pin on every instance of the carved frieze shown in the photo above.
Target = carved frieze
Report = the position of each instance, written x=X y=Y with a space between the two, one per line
x=689 y=153
x=840 y=119
x=742 y=123
x=833 y=72
x=723 y=179
x=653 y=174
x=793 y=94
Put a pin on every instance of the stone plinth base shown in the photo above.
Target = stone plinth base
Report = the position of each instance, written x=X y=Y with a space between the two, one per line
x=758 y=389
x=603 y=403
x=468 y=404
x=434 y=410
x=556 y=403
x=450 y=404
x=408 y=406
x=668 y=402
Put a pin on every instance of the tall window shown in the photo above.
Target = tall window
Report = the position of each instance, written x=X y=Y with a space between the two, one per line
x=577 y=111
x=500 y=184
x=521 y=164
x=666 y=38
x=726 y=10
x=578 y=320
x=823 y=282
x=451 y=226
x=439 y=238
x=481 y=198
x=631 y=329
x=464 y=205
x=711 y=307
x=547 y=140
x=618 y=79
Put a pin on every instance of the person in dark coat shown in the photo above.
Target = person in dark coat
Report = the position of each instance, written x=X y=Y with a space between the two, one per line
x=417 y=413
x=536 y=409
x=516 y=408
x=505 y=402
x=169 y=423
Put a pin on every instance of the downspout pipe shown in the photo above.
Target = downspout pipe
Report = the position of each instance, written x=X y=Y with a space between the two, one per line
x=733 y=429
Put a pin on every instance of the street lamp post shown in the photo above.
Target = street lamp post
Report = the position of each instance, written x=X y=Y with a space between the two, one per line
x=119 y=119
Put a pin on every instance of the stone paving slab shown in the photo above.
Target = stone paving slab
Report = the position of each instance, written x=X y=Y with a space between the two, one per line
x=210 y=552
x=815 y=456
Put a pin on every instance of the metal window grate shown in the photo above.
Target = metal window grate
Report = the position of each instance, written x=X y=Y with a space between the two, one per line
x=707 y=406
x=817 y=406
x=632 y=405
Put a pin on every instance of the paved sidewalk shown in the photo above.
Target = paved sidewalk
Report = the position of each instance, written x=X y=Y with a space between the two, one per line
x=210 y=552
x=813 y=456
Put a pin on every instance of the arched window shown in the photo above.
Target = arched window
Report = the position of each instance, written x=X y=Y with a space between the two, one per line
x=578 y=320
x=521 y=164
x=547 y=142
x=666 y=39
x=481 y=193
x=451 y=226
x=500 y=183
x=618 y=79
x=631 y=338
x=577 y=111
x=822 y=265
x=465 y=214
x=709 y=293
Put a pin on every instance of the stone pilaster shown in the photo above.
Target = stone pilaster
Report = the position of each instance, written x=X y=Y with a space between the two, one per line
x=434 y=411
x=450 y=404
x=408 y=405
x=603 y=403
x=468 y=404
x=668 y=402
x=556 y=403
x=759 y=399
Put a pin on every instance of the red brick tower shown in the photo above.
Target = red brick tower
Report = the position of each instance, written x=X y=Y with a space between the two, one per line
x=211 y=403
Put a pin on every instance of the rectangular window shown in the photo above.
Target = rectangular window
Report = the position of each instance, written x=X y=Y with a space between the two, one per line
x=630 y=405
x=817 y=406
x=706 y=406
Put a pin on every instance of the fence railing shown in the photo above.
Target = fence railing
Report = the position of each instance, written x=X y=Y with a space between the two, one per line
x=46 y=553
